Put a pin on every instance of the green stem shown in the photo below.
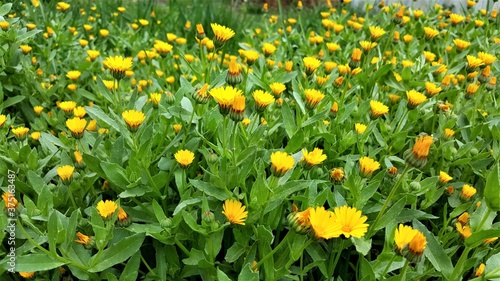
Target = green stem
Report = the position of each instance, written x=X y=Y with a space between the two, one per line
x=389 y=198
x=186 y=132
x=273 y=183
x=460 y=264
x=270 y=254
x=403 y=271
x=147 y=266
x=333 y=262
x=387 y=267
x=143 y=207
x=182 y=247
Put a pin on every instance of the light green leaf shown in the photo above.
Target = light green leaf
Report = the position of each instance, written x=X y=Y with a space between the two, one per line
x=36 y=262
x=117 y=253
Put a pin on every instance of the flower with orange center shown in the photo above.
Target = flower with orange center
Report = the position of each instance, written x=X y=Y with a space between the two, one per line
x=133 y=119
x=377 y=108
x=184 y=157
x=467 y=192
x=351 y=221
x=234 y=211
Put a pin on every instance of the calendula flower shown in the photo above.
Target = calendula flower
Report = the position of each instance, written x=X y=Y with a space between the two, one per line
x=251 y=56
x=324 y=223
x=472 y=89
x=35 y=136
x=277 y=88
x=461 y=44
x=464 y=231
x=417 y=156
x=314 y=157
x=448 y=133
x=27 y=275
x=76 y=126
x=432 y=89
x=377 y=108
x=313 y=97
x=299 y=221
x=234 y=211
x=221 y=34
x=360 y=128
x=415 y=98
x=104 y=32
x=262 y=99
x=311 y=64
x=184 y=157
x=4 y=25
x=238 y=108
x=486 y=58
x=234 y=76
x=20 y=132
x=444 y=177
x=430 y=32
x=416 y=247
x=25 y=49
x=67 y=106
x=225 y=97
x=106 y=208
x=332 y=47
x=281 y=162
x=118 y=65
x=463 y=218
x=9 y=200
x=246 y=122
x=467 y=192
x=337 y=175
x=163 y=48
x=376 y=32
x=123 y=218
x=367 y=45
x=79 y=111
x=456 y=19
x=201 y=96
x=85 y=240
x=63 y=6
x=402 y=237
x=480 y=268
x=268 y=49
x=134 y=119
x=473 y=62
x=155 y=99
x=93 y=54
x=65 y=173
x=351 y=221
x=367 y=166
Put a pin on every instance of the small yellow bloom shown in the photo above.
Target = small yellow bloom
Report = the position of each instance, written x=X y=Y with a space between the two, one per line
x=27 y=275
x=268 y=49
x=378 y=108
x=67 y=106
x=313 y=97
x=106 y=208
x=415 y=98
x=155 y=99
x=311 y=64
x=20 y=132
x=351 y=221
x=463 y=218
x=9 y=200
x=448 y=133
x=464 y=231
x=360 y=128
x=461 y=44
x=367 y=166
x=417 y=245
x=430 y=32
x=184 y=157
x=432 y=89
x=314 y=157
x=456 y=19
x=262 y=99
x=76 y=126
x=221 y=34
x=4 y=25
x=444 y=177
x=234 y=211
x=65 y=173
x=281 y=162
x=467 y=192
x=486 y=58
x=376 y=32
x=337 y=175
x=36 y=135
x=38 y=110
x=25 y=49
x=403 y=236
x=118 y=65
x=79 y=111
x=63 y=6
x=480 y=268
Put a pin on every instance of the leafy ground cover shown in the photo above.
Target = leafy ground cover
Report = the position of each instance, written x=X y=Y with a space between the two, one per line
x=144 y=142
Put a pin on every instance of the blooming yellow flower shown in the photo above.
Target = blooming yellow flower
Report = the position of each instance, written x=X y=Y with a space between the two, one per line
x=38 y=109
x=463 y=218
x=467 y=192
x=486 y=58
x=311 y=64
x=444 y=177
x=27 y=275
x=473 y=62
x=415 y=98
x=480 y=268
x=367 y=45
x=155 y=99
x=281 y=162
x=422 y=146
x=417 y=245
x=118 y=65
x=3 y=118
x=465 y=231
x=351 y=221
x=313 y=97
x=104 y=32
x=36 y=135
x=25 y=49
x=163 y=48
x=337 y=175
x=378 y=108
x=277 y=88
x=461 y=44
x=134 y=119
x=20 y=132
x=324 y=223
x=63 y=6
x=79 y=111
x=93 y=54
x=83 y=239
x=251 y=56
x=332 y=47
x=9 y=200
x=376 y=32
x=221 y=34
x=430 y=32
x=448 y=133
x=432 y=89
x=4 y=25
x=472 y=88
x=106 y=208
x=403 y=236
x=184 y=157
x=360 y=128
x=367 y=166
x=65 y=173
x=262 y=99
x=225 y=97
x=67 y=106
x=456 y=19
x=314 y=157
x=268 y=49
x=234 y=211
x=76 y=126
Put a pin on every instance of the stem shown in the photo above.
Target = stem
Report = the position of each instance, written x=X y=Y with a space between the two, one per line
x=270 y=254
x=387 y=267
x=458 y=267
x=182 y=247
x=333 y=262
x=403 y=271
x=147 y=266
x=186 y=132
x=391 y=194
x=273 y=183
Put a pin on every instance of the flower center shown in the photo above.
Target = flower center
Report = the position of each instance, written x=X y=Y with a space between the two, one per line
x=346 y=228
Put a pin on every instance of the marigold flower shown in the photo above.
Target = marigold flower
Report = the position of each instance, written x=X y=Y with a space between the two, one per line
x=134 y=119
x=262 y=99
x=4 y=25
x=314 y=157
x=225 y=97
x=63 y=6
x=201 y=96
x=332 y=47
x=76 y=126
x=67 y=106
x=268 y=49
x=377 y=108
x=281 y=162
x=430 y=32
x=367 y=166
x=464 y=230
x=163 y=48
x=403 y=236
x=155 y=99
x=448 y=133
x=456 y=19
x=467 y=192
x=118 y=65
x=106 y=208
x=277 y=88
x=444 y=177
x=221 y=34
x=27 y=275
x=35 y=136
x=486 y=58
x=251 y=56
x=9 y=200
x=355 y=57
x=376 y=32
x=367 y=45
x=415 y=98
x=472 y=89
x=85 y=240
x=234 y=211
x=184 y=157
x=20 y=132
x=25 y=49
x=360 y=128
x=93 y=54
x=311 y=64
x=351 y=221
x=234 y=76
x=313 y=97
x=461 y=44
x=65 y=173
x=299 y=221
x=324 y=223
x=337 y=175
x=238 y=108
x=79 y=111
x=416 y=247
x=463 y=218
x=480 y=268
x=473 y=62
x=123 y=218
x=432 y=89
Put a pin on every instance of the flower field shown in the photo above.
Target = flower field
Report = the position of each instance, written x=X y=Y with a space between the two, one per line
x=194 y=140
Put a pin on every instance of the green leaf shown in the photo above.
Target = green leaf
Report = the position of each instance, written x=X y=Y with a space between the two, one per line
x=363 y=246
x=435 y=252
x=366 y=270
x=477 y=238
x=131 y=270
x=5 y=9
x=210 y=189
x=117 y=253
x=247 y=274
x=234 y=253
x=158 y=210
x=288 y=120
x=221 y=276
x=11 y=101
x=98 y=114
x=491 y=192
x=52 y=232
x=36 y=182
x=36 y=262
x=115 y=174
x=389 y=216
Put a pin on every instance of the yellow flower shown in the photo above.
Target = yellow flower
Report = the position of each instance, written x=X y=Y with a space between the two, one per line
x=93 y=54
x=118 y=65
x=155 y=99
x=332 y=47
x=415 y=98
x=25 y=49
x=473 y=62
x=464 y=231
x=268 y=49
x=79 y=111
x=76 y=126
x=92 y=125
x=403 y=236
x=360 y=128
x=461 y=44
x=3 y=118
x=432 y=89
x=246 y=121
x=351 y=221
x=480 y=268
x=467 y=192
x=221 y=34
x=67 y=106
x=63 y=6
x=417 y=156
x=456 y=19
x=448 y=133
x=277 y=88
x=378 y=108
x=311 y=64
x=27 y=275
x=83 y=239
x=367 y=45
x=367 y=166
x=313 y=97
x=36 y=135
x=177 y=128
x=106 y=208
x=324 y=223
x=281 y=162
x=251 y=56
x=123 y=218
x=376 y=32
x=463 y=218
x=299 y=221
x=238 y=108
x=314 y=157
x=417 y=246
x=472 y=88
x=337 y=175
x=162 y=48
x=184 y=157
x=225 y=97
x=65 y=173
x=143 y=22
x=134 y=119
x=430 y=32
x=9 y=200
x=4 y=25
x=444 y=177
x=486 y=58
x=429 y=56
x=234 y=211
x=262 y=99
x=20 y=132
